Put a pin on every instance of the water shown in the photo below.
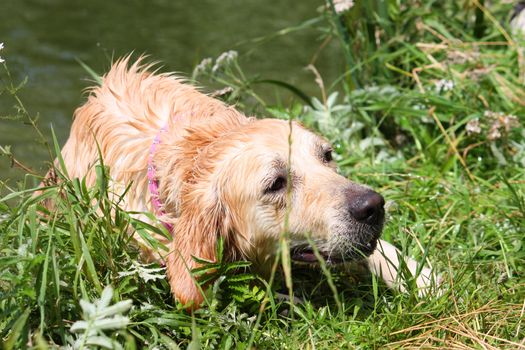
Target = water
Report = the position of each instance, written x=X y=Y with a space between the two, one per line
x=43 y=39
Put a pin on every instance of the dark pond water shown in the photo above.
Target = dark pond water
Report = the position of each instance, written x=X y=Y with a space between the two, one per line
x=43 y=39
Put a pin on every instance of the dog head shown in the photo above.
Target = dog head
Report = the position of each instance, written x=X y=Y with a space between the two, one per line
x=252 y=183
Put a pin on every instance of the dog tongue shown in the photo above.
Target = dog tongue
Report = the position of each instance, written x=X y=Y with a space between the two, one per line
x=307 y=257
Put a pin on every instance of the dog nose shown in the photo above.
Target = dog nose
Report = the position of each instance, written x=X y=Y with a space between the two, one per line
x=367 y=207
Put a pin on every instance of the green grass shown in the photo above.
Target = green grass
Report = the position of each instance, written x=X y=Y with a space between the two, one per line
x=455 y=198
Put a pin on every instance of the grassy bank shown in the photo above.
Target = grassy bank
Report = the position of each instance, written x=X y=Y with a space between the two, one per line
x=429 y=110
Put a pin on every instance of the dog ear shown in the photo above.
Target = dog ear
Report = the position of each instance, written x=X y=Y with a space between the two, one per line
x=195 y=234
x=191 y=167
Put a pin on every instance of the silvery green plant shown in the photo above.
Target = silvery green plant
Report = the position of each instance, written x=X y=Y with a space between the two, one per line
x=349 y=129
x=100 y=323
x=144 y=271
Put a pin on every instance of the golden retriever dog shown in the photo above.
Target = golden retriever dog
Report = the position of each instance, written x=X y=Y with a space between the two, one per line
x=208 y=171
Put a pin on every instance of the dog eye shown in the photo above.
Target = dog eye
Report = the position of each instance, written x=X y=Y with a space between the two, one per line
x=277 y=185
x=327 y=156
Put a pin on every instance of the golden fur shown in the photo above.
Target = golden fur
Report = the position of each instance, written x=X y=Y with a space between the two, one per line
x=214 y=167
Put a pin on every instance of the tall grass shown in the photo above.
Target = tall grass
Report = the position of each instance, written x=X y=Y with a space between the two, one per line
x=429 y=110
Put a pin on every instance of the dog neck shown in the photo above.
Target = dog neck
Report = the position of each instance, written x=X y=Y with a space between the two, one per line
x=153 y=182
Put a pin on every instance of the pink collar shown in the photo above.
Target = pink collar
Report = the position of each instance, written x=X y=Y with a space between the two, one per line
x=153 y=182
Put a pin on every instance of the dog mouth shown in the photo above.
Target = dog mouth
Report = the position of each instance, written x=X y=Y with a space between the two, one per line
x=306 y=254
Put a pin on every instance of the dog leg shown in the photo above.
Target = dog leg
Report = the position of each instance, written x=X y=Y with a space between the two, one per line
x=385 y=263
